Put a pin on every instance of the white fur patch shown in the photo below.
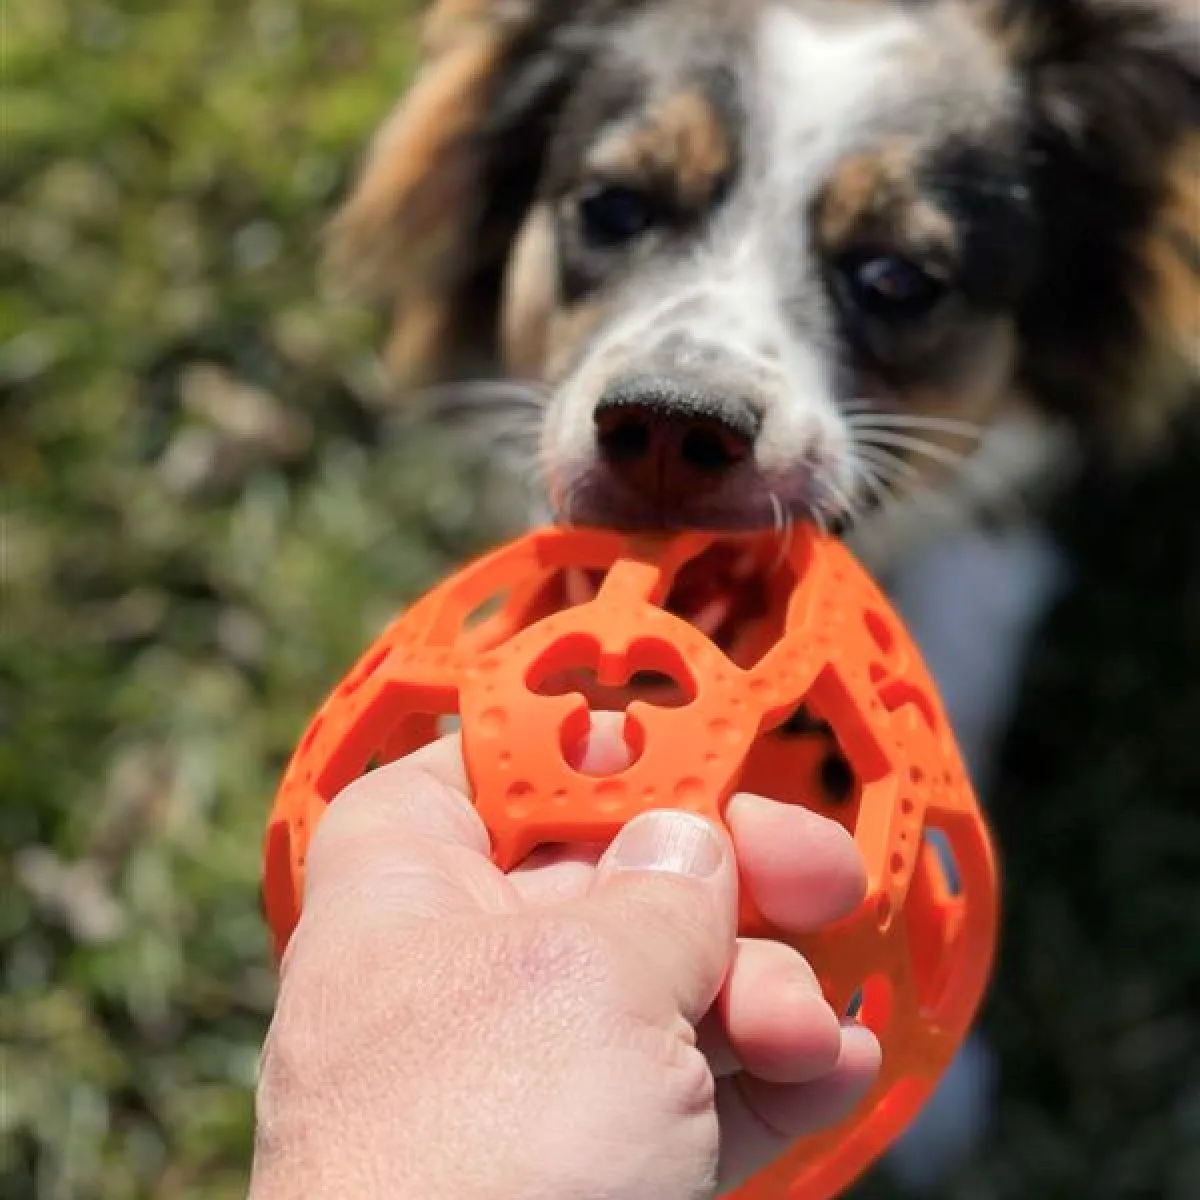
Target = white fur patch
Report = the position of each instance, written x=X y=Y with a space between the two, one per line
x=747 y=304
x=819 y=82
x=742 y=292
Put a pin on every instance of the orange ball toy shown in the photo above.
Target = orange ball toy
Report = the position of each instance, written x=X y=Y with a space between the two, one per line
x=793 y=678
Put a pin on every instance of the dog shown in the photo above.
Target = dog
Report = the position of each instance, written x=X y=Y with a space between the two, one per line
x=895 y=267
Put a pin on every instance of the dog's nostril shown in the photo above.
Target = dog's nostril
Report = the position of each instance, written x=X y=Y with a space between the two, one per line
x=669 y=442
x=712 y=449
x=624 y=439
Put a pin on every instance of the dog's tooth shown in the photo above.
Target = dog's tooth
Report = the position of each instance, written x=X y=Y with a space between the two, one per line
x=744 y=565
x=578 y=587
x=709 y=617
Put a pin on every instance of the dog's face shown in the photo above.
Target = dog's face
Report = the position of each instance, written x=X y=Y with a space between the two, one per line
x=755 y=238
x=773 y=259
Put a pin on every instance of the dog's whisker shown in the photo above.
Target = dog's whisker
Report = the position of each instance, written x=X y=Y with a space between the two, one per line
x=483 y=402
x=523 y=452
x=940 y=454
x=562 y=493
x=887 y=475
x=500 y=426
x=986 y=473
x=846 y=508
x=526 y=464
x=483 y=391
x=890 y=466
x=915 y=421
x=897 y=482
x=863 y=413
x=526 y=434
x=887 y=460
x=867 y=473
x=782 y=523
x=896 y=486
x=776 y=512
x=522 y=417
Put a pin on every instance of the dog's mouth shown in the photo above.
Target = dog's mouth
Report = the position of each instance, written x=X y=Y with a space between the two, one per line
x=735 y=593
x=727 y=592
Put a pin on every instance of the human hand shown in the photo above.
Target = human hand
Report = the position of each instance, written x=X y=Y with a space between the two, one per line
x=586 y=1026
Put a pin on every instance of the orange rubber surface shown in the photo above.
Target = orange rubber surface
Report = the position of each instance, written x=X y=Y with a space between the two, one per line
x=915 y=958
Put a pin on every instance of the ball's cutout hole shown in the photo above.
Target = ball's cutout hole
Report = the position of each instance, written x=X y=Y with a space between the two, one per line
x=881 y=635
x=602 y=744
x=462 y=614
x=651 y=670
x=310 y=735
x=939 y=842
x=837 y=778
x=855 y=1005
x=803 y=721
x=363 y=671
x=412 y=731
x=899 y=693
x=485 y=609
x=798 y=758
x=735 y=593
x=651 y=687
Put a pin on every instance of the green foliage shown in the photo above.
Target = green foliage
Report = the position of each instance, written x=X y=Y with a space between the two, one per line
x=209 y=508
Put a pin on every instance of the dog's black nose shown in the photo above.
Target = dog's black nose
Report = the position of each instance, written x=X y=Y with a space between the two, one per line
x=666 y=439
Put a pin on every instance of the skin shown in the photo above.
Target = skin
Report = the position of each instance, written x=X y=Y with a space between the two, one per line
x=586 y=1026
x=581 y=1028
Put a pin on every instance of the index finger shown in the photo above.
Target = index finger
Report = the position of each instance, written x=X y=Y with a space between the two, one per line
x=400 y=794
x=802 y=870
x=412 y=805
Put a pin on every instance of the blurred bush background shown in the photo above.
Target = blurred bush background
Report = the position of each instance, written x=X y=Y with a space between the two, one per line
x=209 y=507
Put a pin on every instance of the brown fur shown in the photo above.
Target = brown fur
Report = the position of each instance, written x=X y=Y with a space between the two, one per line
x=681 y=147
x=1170 y=360
x=880 y=196
x=1110 y=85
x=398 y=236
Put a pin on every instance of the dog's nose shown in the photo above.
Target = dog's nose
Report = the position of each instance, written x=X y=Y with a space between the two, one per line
x=665 y=439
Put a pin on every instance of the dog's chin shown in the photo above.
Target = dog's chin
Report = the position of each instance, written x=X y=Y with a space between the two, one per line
x=726 y=591
x=597 y=500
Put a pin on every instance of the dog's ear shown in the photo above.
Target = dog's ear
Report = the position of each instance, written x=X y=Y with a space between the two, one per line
x=1113 y=86
x=429 y=221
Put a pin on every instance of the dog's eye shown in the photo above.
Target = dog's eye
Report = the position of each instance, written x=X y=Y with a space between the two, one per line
x=612 y=214
x=891 y=288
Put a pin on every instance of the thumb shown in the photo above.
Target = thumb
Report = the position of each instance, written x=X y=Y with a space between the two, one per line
x=668 y=885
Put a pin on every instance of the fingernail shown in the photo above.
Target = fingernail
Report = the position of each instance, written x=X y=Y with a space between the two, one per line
x=859 y=1042
x=678 y=843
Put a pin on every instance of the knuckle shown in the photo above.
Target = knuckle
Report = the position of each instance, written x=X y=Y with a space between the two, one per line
x=688 y=1078
x=562 y=949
